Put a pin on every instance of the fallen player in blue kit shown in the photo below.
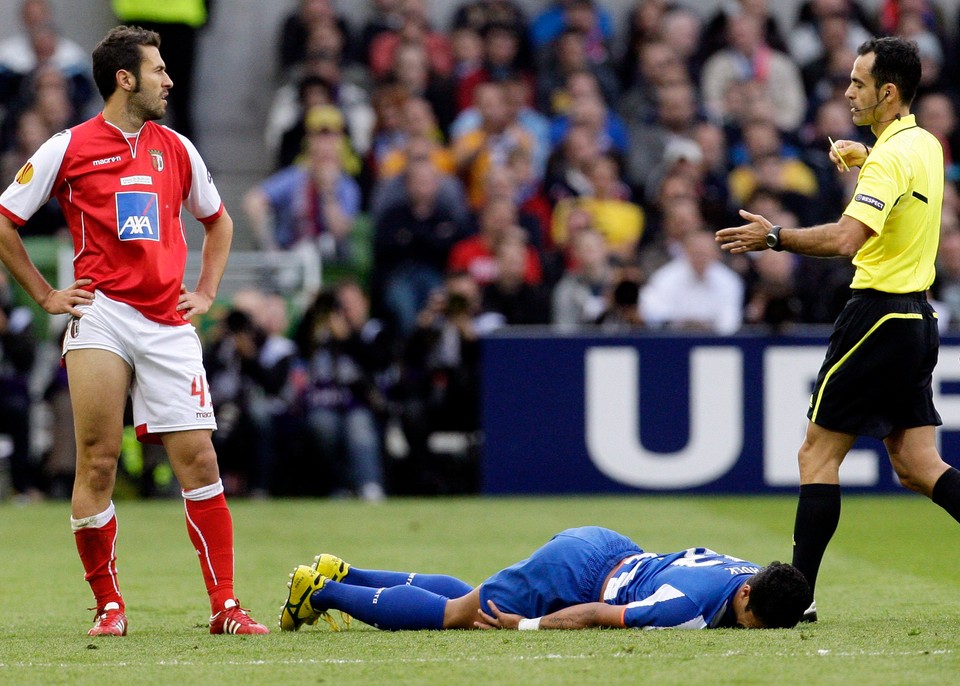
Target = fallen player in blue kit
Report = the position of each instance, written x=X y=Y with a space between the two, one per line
x=582 y=578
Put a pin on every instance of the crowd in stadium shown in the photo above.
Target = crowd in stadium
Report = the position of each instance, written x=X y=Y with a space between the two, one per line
x=559 y=167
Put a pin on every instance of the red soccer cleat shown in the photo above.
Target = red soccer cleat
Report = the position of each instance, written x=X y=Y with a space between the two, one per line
x=233 y=619
x=110 y=621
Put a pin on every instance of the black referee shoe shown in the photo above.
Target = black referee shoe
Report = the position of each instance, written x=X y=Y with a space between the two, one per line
x=810 y=614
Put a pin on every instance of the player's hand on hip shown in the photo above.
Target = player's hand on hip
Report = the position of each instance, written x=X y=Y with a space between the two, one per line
x=65 y=301
x=496 y=619
x=192 y=303
x=746 y=238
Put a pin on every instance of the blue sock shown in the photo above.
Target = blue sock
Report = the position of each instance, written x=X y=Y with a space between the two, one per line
x=390 y=609
x=441 y=584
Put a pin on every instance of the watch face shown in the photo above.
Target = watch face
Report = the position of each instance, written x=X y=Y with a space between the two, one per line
x=771 y=240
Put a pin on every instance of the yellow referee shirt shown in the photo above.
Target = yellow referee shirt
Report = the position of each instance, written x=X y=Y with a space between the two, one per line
x=899 y=195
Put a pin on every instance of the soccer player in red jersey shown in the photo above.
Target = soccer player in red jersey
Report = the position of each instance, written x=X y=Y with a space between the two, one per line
x=121 y=180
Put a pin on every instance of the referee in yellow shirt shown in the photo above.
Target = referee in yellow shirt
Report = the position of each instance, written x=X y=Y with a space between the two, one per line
x=876 y=379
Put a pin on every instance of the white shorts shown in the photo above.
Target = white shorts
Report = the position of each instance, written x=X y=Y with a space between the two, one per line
x=169 y=388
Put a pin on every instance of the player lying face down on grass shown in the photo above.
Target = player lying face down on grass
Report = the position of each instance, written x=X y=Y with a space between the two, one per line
x=582 y=578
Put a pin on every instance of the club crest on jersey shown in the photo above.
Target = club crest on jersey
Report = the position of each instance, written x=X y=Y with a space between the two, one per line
x=156 y=158
x=137 y=216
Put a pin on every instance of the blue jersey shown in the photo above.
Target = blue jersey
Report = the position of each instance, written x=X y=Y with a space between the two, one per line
x=690 y=589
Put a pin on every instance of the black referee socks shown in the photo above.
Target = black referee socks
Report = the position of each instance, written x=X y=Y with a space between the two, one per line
x=818 y=513
x=946 y=492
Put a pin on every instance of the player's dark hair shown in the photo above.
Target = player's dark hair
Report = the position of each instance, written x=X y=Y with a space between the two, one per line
x=779 y=594
x=897 y=61
x=120 y=49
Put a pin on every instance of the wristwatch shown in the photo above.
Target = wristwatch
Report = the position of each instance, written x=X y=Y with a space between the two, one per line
x=773 y=238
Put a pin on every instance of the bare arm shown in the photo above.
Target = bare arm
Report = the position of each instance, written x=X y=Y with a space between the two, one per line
x=216 y=251
x=842 y=238
x=16 y=259
x=583 y=616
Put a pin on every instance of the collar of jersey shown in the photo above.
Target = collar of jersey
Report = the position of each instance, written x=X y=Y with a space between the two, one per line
x=897 y=126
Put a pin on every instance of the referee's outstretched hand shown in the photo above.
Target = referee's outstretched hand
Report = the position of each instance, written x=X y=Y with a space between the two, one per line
x=746 y=238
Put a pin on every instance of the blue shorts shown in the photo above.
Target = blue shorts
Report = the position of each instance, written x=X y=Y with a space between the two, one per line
x=568 y=570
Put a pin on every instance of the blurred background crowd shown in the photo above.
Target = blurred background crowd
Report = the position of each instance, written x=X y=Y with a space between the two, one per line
x=549 y=164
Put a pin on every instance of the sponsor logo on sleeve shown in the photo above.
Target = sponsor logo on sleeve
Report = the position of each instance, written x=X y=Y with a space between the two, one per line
x=25 y=175
x=875 y=203
x=137 y=216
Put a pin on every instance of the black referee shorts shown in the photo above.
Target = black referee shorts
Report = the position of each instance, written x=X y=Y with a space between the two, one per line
x=877 y=375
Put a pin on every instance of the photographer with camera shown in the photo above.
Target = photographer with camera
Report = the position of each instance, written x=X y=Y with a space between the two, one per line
x=345 y=353
x=439 y=385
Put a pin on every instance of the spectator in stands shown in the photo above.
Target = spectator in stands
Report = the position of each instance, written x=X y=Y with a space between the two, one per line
x=824 y=76
x=298 y=26
x=499 y=133
x=768 y=161
x=716 y=27
x=824 y=25
x=244 y=437
x=680 y=217
x=385 y=16
x=553 y=91
x=937 y=114
x=412 y=70
x=315 y=203
x=834 y=188
x=676 y=116
x=771 y=298
x=41 y=45
x=605 y=125
x=344 y=351
x=695 y=291
x=749 y=59
x=179 y=25
x=622 y=314
x=947 y=284
x=31 y=132
x=466 y=45
x=412 y=242
x=18 y=345
x=609 y=207
x=511 y=295
x=276 y=360
x=478 y=254
x=567 y=168
x=658 y=66
x=414 y=29
x=391 y=190
x=580 y=297
x=319 y=80
x=439 y=385
x=516 y=92
x=560 y=15
x=421 y=136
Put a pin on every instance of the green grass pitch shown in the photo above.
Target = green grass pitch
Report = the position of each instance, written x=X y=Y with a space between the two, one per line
x=889 y=595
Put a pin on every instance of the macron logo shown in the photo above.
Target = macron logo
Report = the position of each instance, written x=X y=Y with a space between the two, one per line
x=870 y=200
x=107 y=160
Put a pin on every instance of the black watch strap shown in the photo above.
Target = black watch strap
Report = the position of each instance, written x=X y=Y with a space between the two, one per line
x=773 y=238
